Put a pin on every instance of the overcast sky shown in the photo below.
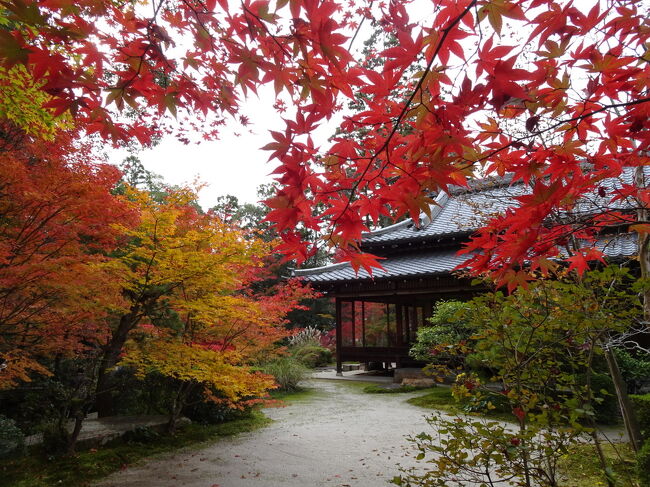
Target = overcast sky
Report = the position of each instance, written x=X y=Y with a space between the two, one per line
x=233 y=165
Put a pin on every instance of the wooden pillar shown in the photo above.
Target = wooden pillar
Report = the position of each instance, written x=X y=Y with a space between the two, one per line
x=399 y=331
x=363 y=324
x=339 y=338
x=398 y=324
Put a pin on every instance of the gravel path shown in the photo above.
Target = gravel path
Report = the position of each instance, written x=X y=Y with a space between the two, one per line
x=339 y=437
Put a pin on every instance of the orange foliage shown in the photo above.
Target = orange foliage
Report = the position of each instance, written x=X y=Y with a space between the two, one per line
x=56 y=214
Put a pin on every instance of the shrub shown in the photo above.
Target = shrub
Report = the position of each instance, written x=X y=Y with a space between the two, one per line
x=287 y=371
x=55 y=438
x=606 y=409
x=643 y=465
x=449 y=327
x=12 y=439
x=642 y=409
x=307 y=336
x=634 y=368
x=312 y=355
x=485 y=403
x=141 y=434
x=202 y=410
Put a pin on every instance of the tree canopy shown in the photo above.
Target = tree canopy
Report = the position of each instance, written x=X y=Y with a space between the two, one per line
x=554 y=93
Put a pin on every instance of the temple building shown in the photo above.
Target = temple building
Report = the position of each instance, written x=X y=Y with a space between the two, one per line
x=377 y=316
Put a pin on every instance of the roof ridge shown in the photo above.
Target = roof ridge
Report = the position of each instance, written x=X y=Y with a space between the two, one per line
x=483 y=184
x=320 y=270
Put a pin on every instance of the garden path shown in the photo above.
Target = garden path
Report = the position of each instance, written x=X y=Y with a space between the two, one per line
x=337 y=437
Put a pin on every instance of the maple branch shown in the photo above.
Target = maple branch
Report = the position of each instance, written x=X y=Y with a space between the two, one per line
x=404 y=111
x=577 y=118
x=266 y=29
x=358 y=29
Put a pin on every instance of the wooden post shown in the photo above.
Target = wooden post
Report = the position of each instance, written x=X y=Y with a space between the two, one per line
x=339 y=341
x=399 y=331
x=363 y=324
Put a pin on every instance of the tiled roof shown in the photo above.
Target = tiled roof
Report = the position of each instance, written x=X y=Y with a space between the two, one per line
x=618 y=246
x=405 y=265
x=465 y=210
x=436 y=262
x=458 y=213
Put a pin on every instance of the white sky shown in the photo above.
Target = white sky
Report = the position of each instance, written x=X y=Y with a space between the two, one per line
x=232 y=165
x=235 y=164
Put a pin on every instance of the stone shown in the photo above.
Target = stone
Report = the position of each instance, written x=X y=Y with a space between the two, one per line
x=418 y=382
x=407 y=372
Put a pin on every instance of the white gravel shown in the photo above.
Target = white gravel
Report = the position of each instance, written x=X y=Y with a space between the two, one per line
x=338 y=437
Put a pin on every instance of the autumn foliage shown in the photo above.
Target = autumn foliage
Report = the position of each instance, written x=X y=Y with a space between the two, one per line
x=58 y=220
x=552 y=92
x=95 y=273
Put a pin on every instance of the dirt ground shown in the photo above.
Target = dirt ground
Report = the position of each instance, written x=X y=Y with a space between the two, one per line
x=338 y=437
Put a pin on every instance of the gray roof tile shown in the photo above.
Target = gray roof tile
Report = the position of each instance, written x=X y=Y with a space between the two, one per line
x=436 y=262
x=466 y=210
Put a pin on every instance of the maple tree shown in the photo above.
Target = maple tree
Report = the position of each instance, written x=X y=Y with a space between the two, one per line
x=57 y=213
x=574 y=79
x=191 y=311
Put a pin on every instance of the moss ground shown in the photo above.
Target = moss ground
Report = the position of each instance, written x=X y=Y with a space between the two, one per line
x=440 y=398
x=39 y=470
x=580 y=466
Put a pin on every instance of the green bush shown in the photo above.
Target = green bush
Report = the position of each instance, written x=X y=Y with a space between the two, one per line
x=607 y=409
x=312 y=355
x=643 y=465
x=12 y=440
x=200 y=409
x=642 y=408
x=488 y=402
x=448 y=327
x=287 y=371
x=635 y=369
x=141 y=434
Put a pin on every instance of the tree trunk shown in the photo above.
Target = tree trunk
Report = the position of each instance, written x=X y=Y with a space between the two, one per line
x=177 y=408
x=111 y=355
x=74 y=436
x=643 y=242
x=629 y=417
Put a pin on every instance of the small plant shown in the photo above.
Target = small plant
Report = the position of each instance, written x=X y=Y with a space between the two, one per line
x=287 y=371
x=643 y=465
x=12 y=439
x=328 y=340
x=312 y=355
x=306 y=336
